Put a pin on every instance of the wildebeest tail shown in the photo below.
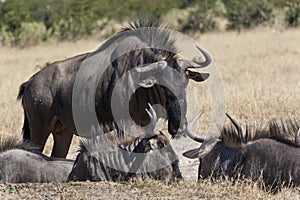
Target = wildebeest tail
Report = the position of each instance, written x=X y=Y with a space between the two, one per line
x=21 y=90
x=26 y=130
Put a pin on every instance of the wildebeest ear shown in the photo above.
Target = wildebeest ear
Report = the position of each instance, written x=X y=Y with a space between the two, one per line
x=196 y=153
x=147 y=83
x=196 y=76
x=206 y=147
x=192 y=154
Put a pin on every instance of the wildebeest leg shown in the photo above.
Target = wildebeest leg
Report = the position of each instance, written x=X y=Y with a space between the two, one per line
x=199 y=170
x=62 y=142
x=39 y=133
x=39 y=119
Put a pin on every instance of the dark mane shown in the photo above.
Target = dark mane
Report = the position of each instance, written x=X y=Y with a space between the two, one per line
x=156 y=34
x=82 y=148
x=125 y=142
x=284 y=132
x=142 y=22
x=15 y=142
x=95 y=142
x=10 y=142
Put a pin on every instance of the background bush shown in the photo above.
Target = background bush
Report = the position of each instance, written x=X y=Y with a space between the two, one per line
x=31 y=33
x=73 y=19
x=201 y=18
x=292 y=13
x=247 y=13
x=6 y=37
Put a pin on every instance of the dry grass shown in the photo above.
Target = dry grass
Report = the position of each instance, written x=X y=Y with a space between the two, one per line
x=146 y=189
x=260 y=71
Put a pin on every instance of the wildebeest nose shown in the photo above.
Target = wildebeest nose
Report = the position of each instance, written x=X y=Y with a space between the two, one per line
x=175 y=129
x=181 y=129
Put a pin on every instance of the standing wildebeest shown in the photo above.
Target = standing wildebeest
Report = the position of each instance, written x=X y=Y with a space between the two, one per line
x=19 y=165
x=94 y=164
x=268 y=154
x=47 y=95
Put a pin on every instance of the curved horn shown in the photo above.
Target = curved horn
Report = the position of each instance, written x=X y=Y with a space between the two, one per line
x=153 y=117
x=192 y=64
x=161 y=65
x=297 y=138
x=208 y=142
x=239 y=128
x=207 y=57
x=191 y=134
x=206 y=147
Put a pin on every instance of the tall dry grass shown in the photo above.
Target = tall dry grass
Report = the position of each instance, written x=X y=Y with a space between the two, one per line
x=260 y=71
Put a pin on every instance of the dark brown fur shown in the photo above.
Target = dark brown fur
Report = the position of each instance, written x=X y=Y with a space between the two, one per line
x=89 y=162
x=18 y=164
x=47 y=97
x=268 y=154
x=284 y=132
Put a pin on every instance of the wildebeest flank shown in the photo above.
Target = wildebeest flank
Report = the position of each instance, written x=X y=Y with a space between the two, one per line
x=269 y=155
x=19 y=165
x=97 y=164
x=47 y=95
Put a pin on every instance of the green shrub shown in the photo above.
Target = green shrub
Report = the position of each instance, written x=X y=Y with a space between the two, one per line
x=292 y=14
x=12 y=14
x=247 y=13
x=201 y=18
x=66 y=29
x=75 y=19
x=31 y=33
x=73 y=28
x=6 y=37
x=219 y=9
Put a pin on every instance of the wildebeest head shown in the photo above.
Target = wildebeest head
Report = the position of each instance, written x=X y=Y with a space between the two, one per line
x=95 y=164
x=238 y=136
x=162 y=75
x=266 y=154
x=152 y=140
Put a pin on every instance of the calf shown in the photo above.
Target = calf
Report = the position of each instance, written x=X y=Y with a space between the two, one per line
x=140 y=157
x=19 y=165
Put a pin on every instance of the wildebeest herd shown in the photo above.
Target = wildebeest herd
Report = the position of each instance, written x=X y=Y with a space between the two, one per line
x=267 y=154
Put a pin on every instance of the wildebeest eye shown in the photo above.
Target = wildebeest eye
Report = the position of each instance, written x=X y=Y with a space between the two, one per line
x=155 y=144
x=160 y=144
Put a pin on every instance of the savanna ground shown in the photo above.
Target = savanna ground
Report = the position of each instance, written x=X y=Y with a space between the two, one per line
x=260 y=71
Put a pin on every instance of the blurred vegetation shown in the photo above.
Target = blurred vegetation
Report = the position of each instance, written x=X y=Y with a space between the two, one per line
x=247 y=14
x=201 y=17
x=292 y=17
x=29 y=22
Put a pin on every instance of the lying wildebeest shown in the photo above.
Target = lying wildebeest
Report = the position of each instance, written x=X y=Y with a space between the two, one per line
x=268 y=154
x=97 y=164
x=47 y=96
x=19 y=165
